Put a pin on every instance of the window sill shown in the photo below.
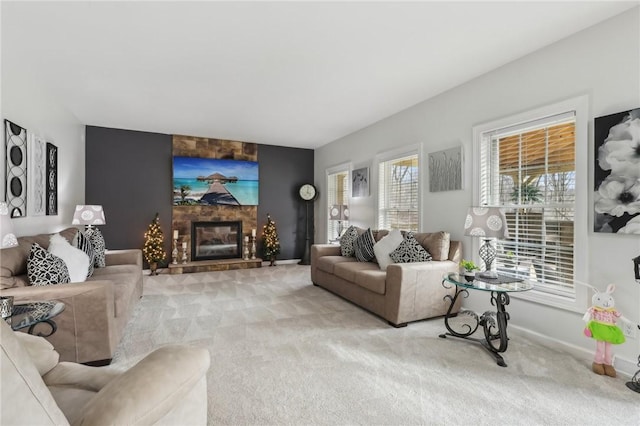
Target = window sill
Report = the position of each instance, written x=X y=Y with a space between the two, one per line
x=577 y=304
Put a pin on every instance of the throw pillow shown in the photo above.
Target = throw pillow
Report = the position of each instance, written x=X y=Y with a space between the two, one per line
x=82 y=243
x=385 y=246
x=97 y=241
x=363 y=247
x=44 y=268
x=76 y=260
x=346 y=241
x=410 y=250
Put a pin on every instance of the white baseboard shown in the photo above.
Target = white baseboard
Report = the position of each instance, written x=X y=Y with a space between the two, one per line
x=624 y=367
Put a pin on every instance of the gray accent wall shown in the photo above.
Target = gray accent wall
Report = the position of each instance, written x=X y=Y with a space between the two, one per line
x=130 y=174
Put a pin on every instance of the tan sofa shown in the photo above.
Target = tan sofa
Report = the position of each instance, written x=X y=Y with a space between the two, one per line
x=168 y=387
x=403 y=293
x=96 y=311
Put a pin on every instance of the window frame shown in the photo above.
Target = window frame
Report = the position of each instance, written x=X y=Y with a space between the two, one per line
x=415 y=149
x=340 y=168
x=580 y=106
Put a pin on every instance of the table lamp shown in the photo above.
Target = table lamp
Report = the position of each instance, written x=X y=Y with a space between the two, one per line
x=487 y=223
x=7 y=236
x=339 y=212
x=88 y=215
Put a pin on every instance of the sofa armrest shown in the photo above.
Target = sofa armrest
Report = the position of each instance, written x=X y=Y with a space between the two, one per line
x=319 y=250
x=415 y=288
x=150 y=389
x=86 y=326
x=123 y=257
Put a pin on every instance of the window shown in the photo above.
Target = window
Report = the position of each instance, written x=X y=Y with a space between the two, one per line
x=528 y=168
x=398 y=193
x=337 y=195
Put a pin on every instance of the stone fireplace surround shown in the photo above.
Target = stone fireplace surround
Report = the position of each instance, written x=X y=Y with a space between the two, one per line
x=183 y=216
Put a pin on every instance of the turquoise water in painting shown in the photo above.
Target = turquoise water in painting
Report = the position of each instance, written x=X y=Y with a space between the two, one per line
x=245 y=191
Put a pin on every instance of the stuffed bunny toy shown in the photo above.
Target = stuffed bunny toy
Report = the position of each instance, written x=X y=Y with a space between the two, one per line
x=601 y=320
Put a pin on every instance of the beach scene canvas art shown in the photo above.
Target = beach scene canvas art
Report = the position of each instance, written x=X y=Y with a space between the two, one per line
x=211 y=181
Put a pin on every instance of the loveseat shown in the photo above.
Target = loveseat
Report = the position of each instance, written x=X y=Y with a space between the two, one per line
x=96 y=311
x=405 y=292
x=168 y=387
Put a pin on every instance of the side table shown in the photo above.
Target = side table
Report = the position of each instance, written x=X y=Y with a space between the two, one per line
x=31 y=314
x=494 y=324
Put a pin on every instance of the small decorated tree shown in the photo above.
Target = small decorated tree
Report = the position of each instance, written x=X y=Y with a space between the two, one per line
x=153 y=249
x=271 y=244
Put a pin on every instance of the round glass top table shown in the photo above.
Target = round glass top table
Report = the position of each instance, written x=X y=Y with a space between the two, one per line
x=494 y=324
x=31 y=314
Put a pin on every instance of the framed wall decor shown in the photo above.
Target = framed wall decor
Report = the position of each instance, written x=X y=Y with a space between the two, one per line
x=445 y=170
x=52 y=179
x=16 y=168
x=360 y=182
x=37 y=194
x=617 y=173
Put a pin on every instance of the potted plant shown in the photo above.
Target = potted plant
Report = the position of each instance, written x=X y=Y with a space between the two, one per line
x=468 y=269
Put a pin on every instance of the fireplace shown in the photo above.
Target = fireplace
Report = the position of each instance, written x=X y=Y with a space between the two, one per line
x=216 y=240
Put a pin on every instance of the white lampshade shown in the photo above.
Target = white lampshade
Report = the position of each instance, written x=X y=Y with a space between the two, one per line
x=7 y=237
x=88 y=215
x=486 y=222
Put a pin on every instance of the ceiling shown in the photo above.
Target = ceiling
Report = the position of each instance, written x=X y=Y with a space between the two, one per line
x=298 y=74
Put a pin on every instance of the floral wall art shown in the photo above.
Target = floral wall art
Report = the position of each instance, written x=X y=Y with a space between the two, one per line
x=617 y=173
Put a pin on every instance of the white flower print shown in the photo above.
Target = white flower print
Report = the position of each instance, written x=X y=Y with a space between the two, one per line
x=617 y=196
x=632 y=227
x=621 y=151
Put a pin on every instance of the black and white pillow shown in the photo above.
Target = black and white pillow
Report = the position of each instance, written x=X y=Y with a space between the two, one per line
x=346 y=241
x=44 y=268
x=81 y=242
x=409 y=251
x=97 y=241
x=363 y=247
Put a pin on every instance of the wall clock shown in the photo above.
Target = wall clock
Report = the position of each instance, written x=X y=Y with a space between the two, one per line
x=308 y=192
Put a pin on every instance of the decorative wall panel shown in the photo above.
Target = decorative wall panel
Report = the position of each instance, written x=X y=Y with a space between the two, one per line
x=52 y=179
x=16 y=166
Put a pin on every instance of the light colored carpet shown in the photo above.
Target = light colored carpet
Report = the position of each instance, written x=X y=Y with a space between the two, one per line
x=286 y=352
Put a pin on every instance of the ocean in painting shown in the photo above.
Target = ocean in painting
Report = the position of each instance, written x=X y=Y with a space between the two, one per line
x=220 y=181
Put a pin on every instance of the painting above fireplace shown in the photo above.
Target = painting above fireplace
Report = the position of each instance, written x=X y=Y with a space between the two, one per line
x=216 y=240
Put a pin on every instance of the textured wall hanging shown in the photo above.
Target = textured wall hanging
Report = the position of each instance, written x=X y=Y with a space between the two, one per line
x=16 y=161
x=445 y=170
x=617 y=173
x=52 y=179
x=360 y=182
x=37 y=199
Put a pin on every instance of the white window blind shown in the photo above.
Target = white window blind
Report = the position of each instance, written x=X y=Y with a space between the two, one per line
x=398 y=190
x=529 y=170
x=337 y=194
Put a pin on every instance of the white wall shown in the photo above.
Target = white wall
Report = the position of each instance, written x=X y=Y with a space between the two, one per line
x=602 y=63
x=25 y=104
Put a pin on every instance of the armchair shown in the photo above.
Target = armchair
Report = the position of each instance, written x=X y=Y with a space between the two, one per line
x=166 y=387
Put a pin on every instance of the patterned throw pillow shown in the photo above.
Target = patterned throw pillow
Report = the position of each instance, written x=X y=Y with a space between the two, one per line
x=97 y=241
x=44 y=268
x=346 y=241
x=363 y=247
x=409 y=251
x=81 y=242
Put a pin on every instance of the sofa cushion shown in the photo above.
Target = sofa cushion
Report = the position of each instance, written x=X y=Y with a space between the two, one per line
x=363 y=247
x=385 y=246
x=76 y=260
x=347 y=240
x=45 y=268
x=80 y=241
x=99 y=247
x=348 y=270
x=373 y=280
x=327 y=263
x=409 y=251
x=436 y=243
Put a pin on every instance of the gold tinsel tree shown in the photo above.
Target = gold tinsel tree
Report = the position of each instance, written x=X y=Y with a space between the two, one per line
x=153 y=249
x=270 y=242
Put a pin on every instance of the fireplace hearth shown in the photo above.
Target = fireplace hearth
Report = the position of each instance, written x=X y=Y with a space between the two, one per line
x=216 y=240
